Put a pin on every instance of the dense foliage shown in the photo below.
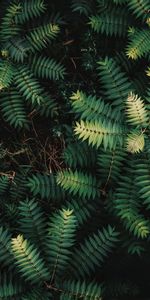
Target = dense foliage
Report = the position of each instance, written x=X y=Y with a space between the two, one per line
x=74 y=149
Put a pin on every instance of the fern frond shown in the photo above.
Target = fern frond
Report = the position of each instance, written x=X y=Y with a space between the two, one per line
x=135 y=141
x=11 y=214
x=6 y=74
x=26 y=255
x=91 y=108
x=117 y=2
x=31 y=221
x=5 y=247
x=114 y=22
x=126 y=64
x=45 y=186
x=143 y=181
x=14 y=110
x=79 y=155
x=19 y=190
x=81 y=6
x=84 y=185
x=56 y=18
x=107 y=133
x=148 y=21
x=60 y=239
x=18 y=49
x=82 y=208
x=28 y=86
x=93 y=251
x=148 y=72
x=148 y=99
x=138 y=226
x=4 y=184
x=39 y=37
x=135 y=247
x=114 y=81
x=139 y=83
x=103 y=6
x=109 y=165
x=9 y=28
x=48 y=108
x=135 y=110
x=80 y=290
x=138 y=45
x=29 y=10
x=139 y=8
x=36 y=294
x=127 y=207
x=45 y=67
x=10 y=286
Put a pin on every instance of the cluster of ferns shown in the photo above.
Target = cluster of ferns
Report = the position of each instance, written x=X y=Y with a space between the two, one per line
x=74 y=217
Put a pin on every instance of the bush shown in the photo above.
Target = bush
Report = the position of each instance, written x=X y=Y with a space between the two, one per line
x=74 y=150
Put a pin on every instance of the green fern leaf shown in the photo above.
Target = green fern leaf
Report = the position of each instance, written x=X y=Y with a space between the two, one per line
x=119 y=2
x=81 y=6
x=18 y=49
x=91 y=108
x=14 y=110
x=18 y=190
x=4 y=184
x=45 y=186
x=44 y=67
x=114 y=22
x=139 y=8
x=48 y=108
x=139 y=226
x=39 y=37
x=79 y=155
x=29 y=10
x=37 y=293
x=124 y=62
x=135 y=247
x=80 y=290
x=84 y=185
x=60 y=239
x=28 y=86
x=128 y=208
x=143 y=180
x=5 y=247
x=32 y=221
x=138 y=45
x=82 y=208
x=109 y=165
x=25 y=255
x=103 y=6
x=114 y=81
x=6 y=74
x=93 y=251
x=10 y=286
x=106 y=133
x=9 y=28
